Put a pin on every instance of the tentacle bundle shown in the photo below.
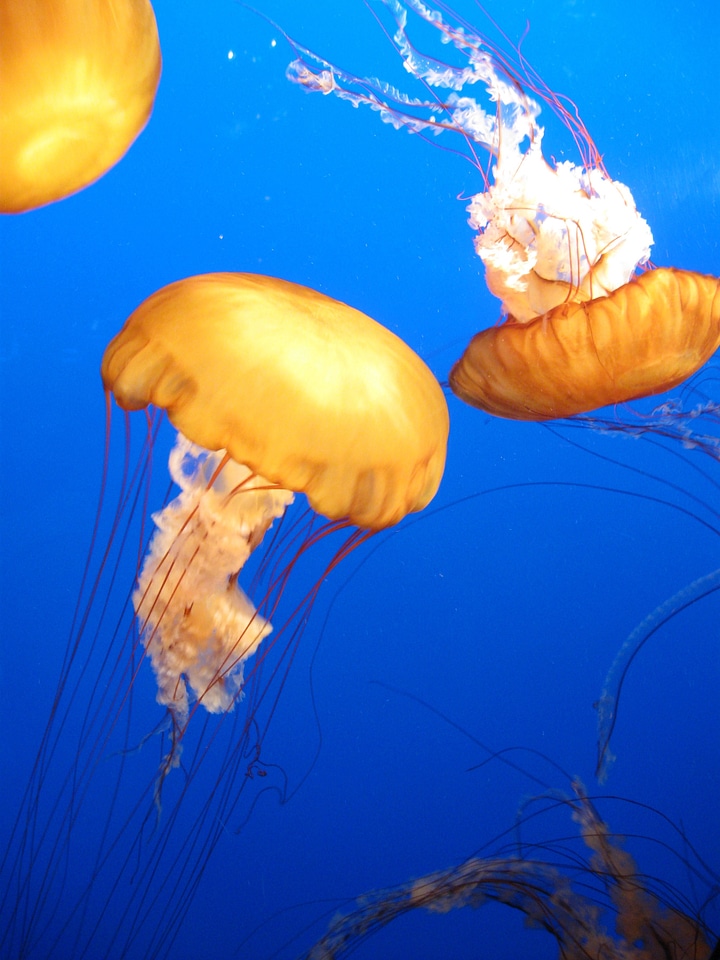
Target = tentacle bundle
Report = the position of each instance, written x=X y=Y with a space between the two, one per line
x=197 y=625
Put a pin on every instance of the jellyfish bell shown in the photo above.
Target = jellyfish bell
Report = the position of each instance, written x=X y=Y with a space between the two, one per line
x=77 y=85
x=275 y=389
x=306 y=391
x=647 y=337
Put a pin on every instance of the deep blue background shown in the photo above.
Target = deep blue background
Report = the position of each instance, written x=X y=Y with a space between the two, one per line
x=505 y=610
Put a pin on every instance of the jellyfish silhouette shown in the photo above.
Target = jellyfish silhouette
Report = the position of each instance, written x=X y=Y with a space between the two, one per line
x=278 y=391
x=560 y=242
x=77 y=85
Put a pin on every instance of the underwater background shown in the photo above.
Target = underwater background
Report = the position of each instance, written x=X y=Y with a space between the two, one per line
x=503 y=605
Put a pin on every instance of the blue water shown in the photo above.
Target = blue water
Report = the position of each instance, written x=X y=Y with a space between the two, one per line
x=503 y=606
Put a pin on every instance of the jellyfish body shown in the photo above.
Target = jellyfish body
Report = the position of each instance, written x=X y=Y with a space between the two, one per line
x=278 y=389
x=77 y=85
x=561 y=242
x=647 y=337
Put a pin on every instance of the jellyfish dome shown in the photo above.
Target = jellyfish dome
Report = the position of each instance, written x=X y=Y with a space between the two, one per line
x=77 y=85
x=649 y=336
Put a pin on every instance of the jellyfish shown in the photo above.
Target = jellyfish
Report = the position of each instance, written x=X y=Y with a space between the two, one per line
x=275 y=389
x=77 y=85
x=597 y=907
x=560 y=242
x=279 y=394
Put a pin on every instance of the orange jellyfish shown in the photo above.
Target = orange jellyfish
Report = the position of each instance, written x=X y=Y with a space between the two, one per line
x=560 y=242
x=281 y=394
x=275 y=389
x=77 y=85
